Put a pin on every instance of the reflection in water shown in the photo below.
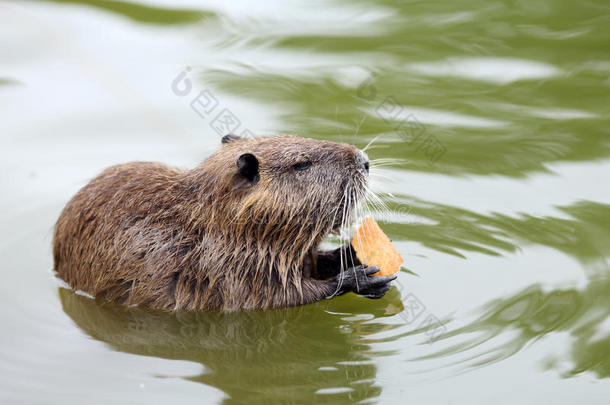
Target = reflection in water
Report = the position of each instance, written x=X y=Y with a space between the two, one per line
x=487 y=62
x=143 y=13
x=531 y=315
x=6 y=81
x=535 y=312
x=280 y=356
x=487 y=69
x=584 y=236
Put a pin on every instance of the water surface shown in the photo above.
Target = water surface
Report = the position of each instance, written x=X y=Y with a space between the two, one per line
x=490 y=124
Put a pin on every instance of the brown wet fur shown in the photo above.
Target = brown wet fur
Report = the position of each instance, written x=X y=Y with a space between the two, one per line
x=209 y=238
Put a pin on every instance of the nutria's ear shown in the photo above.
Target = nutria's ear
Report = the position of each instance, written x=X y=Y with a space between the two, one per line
x=247 y=165
x=228 y=138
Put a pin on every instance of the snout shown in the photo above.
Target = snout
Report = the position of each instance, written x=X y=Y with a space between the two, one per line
x=362 y=161
x=353 y=158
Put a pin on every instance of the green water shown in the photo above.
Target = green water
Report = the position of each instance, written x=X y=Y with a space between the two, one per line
x=489 y=122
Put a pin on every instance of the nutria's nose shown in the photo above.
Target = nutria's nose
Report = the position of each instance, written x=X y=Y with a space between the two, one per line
x=362 y=161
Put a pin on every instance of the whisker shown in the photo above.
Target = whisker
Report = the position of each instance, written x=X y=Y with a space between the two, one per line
x=373 y=197
x=385 y=161
x=358 y=127
x=377 y=175
x=379 y=146
x=354 y=269
x=371 y=142
x=341 y=239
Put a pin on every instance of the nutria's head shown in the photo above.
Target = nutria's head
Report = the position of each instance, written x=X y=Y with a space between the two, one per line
x=287 y=187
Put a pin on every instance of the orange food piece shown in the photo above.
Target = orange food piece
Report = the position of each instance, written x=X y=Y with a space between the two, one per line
x=374 y=248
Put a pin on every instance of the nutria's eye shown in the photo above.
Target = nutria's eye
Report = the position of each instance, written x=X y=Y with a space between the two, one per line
x=302 y=165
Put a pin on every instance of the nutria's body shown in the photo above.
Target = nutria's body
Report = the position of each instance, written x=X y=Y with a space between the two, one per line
x=239 y=231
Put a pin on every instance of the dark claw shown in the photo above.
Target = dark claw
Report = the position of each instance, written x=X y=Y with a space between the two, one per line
x=377 y=281
x=360 y=280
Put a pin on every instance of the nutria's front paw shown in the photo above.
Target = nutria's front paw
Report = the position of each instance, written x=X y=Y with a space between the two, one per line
x=360 y=280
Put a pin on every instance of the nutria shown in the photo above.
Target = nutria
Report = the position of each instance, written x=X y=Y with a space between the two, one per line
x=241 y=230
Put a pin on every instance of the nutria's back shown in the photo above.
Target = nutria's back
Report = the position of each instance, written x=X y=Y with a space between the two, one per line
x=239 y=231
